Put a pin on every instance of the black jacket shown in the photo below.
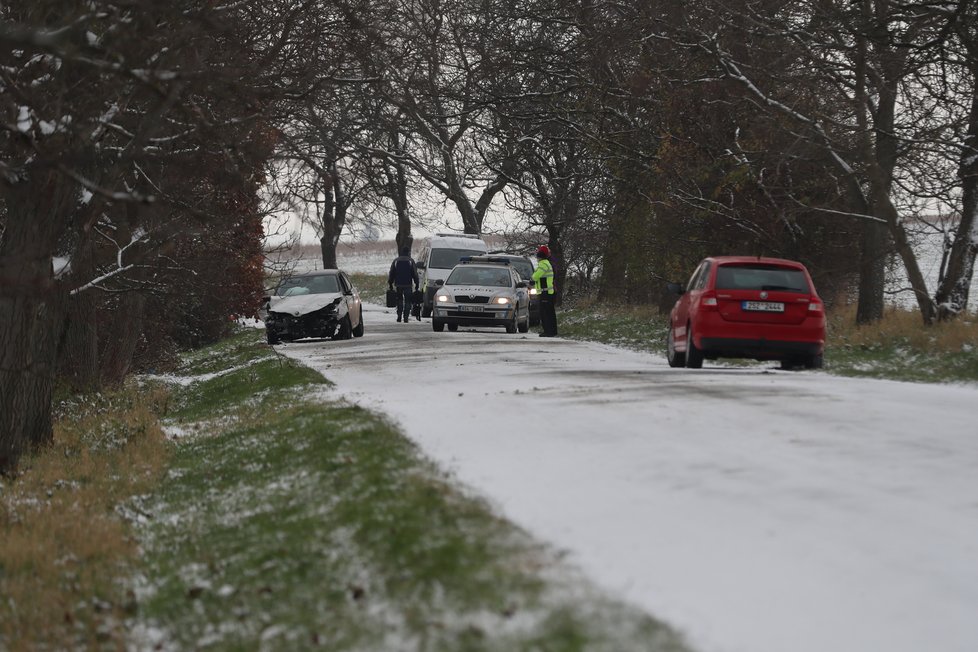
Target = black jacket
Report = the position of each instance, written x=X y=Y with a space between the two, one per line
x=404 y=272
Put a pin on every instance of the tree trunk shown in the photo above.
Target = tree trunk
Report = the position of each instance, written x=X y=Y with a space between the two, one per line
x=397 y=189
x=121 y=336
x=28 y=324
x=952 y=295
x=333 y=218
x=31 y=313
x=78 y=349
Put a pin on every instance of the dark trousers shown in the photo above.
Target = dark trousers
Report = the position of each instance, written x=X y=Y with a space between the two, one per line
x=548 y=314
x=404 y=293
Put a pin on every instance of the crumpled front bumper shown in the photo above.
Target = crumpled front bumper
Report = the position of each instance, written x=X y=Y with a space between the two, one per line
x=315 y=324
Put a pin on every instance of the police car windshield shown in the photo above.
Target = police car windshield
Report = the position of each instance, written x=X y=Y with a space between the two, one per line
x=448 y=258
x=489 y=276
x=320 y=284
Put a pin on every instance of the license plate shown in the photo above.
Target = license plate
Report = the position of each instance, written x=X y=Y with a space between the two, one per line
x=470 y=308
x=762 y=306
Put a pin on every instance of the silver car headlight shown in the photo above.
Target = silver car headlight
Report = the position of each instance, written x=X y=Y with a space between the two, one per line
x=441 y=298
x=503 y=301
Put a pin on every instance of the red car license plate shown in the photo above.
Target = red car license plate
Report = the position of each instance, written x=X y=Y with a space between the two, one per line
x=762 y=306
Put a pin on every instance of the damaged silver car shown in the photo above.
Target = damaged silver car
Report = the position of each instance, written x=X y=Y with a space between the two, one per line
x=321 y=304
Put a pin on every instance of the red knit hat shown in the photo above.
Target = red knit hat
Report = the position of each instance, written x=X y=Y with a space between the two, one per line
x=543 y=251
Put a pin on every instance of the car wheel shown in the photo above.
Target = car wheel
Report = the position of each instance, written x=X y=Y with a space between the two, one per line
x=525 y=326
x=694 y=357
x=425 y=310
x=358 y=331
x=273 y=338
x=453 y=327
x=511 y=327
x=345 y=330
x=674 y=357
x=437 y=325
x=816 y=361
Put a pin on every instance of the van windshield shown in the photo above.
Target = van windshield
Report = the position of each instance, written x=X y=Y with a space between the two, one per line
x=448 y=258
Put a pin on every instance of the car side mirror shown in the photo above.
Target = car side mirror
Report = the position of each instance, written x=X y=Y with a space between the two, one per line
x=419 y=265
x=439 y=282
x=675 y=288
x=522 y=284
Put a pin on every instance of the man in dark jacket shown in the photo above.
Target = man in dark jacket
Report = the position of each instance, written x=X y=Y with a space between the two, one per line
x=403 y=275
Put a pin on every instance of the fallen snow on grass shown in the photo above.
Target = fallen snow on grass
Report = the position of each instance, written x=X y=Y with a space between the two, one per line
x=184 y=381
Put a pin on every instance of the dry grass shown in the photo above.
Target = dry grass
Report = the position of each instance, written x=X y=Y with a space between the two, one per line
x=65 y=548
x=904 y=327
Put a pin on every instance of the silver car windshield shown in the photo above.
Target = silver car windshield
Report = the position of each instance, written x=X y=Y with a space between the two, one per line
x=322 y=284
x=489 y=276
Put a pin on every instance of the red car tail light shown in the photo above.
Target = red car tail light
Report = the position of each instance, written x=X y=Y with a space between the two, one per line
x=709 y=301
x=815 y=305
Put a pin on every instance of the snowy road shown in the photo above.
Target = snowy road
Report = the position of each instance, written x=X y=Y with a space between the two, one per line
x=755 y=510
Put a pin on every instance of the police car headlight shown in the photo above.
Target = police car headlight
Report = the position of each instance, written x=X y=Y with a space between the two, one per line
x=503 y=301
x=442 y=297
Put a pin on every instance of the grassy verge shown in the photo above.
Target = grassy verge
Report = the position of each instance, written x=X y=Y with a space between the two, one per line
x=371 y=286
x=289 y=522
x=65 y=550
x=899 y=347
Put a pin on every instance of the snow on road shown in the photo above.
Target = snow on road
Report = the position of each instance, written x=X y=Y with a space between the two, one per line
x=755 y=510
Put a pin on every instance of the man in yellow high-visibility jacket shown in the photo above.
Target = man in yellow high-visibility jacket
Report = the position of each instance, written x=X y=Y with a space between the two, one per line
x=543 y=279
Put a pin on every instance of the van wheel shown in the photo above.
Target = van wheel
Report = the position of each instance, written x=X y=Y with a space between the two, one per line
x=694 y=357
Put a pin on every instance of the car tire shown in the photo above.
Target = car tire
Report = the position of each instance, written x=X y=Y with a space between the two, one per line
x=512 y=327
x=525 y=326
x=694 y=357
x=453 y=327
x=816 y=361
x=426 y=310
x=358 y=331
x=272 y=338
x=437 y=325
x=345 y=330
x=674 y=357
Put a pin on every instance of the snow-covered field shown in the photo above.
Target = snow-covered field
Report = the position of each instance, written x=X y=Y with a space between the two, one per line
x=753 y=509
x=929 y=253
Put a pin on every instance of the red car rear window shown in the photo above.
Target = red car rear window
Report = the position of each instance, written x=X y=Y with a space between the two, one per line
x=761 y=277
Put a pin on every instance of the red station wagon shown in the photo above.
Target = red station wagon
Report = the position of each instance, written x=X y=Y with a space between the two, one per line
x=747 y=307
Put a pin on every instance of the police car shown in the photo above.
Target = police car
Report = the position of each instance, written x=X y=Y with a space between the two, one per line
x=482 y=291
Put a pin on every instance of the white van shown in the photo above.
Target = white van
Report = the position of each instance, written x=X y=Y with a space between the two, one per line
x=439 y=254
